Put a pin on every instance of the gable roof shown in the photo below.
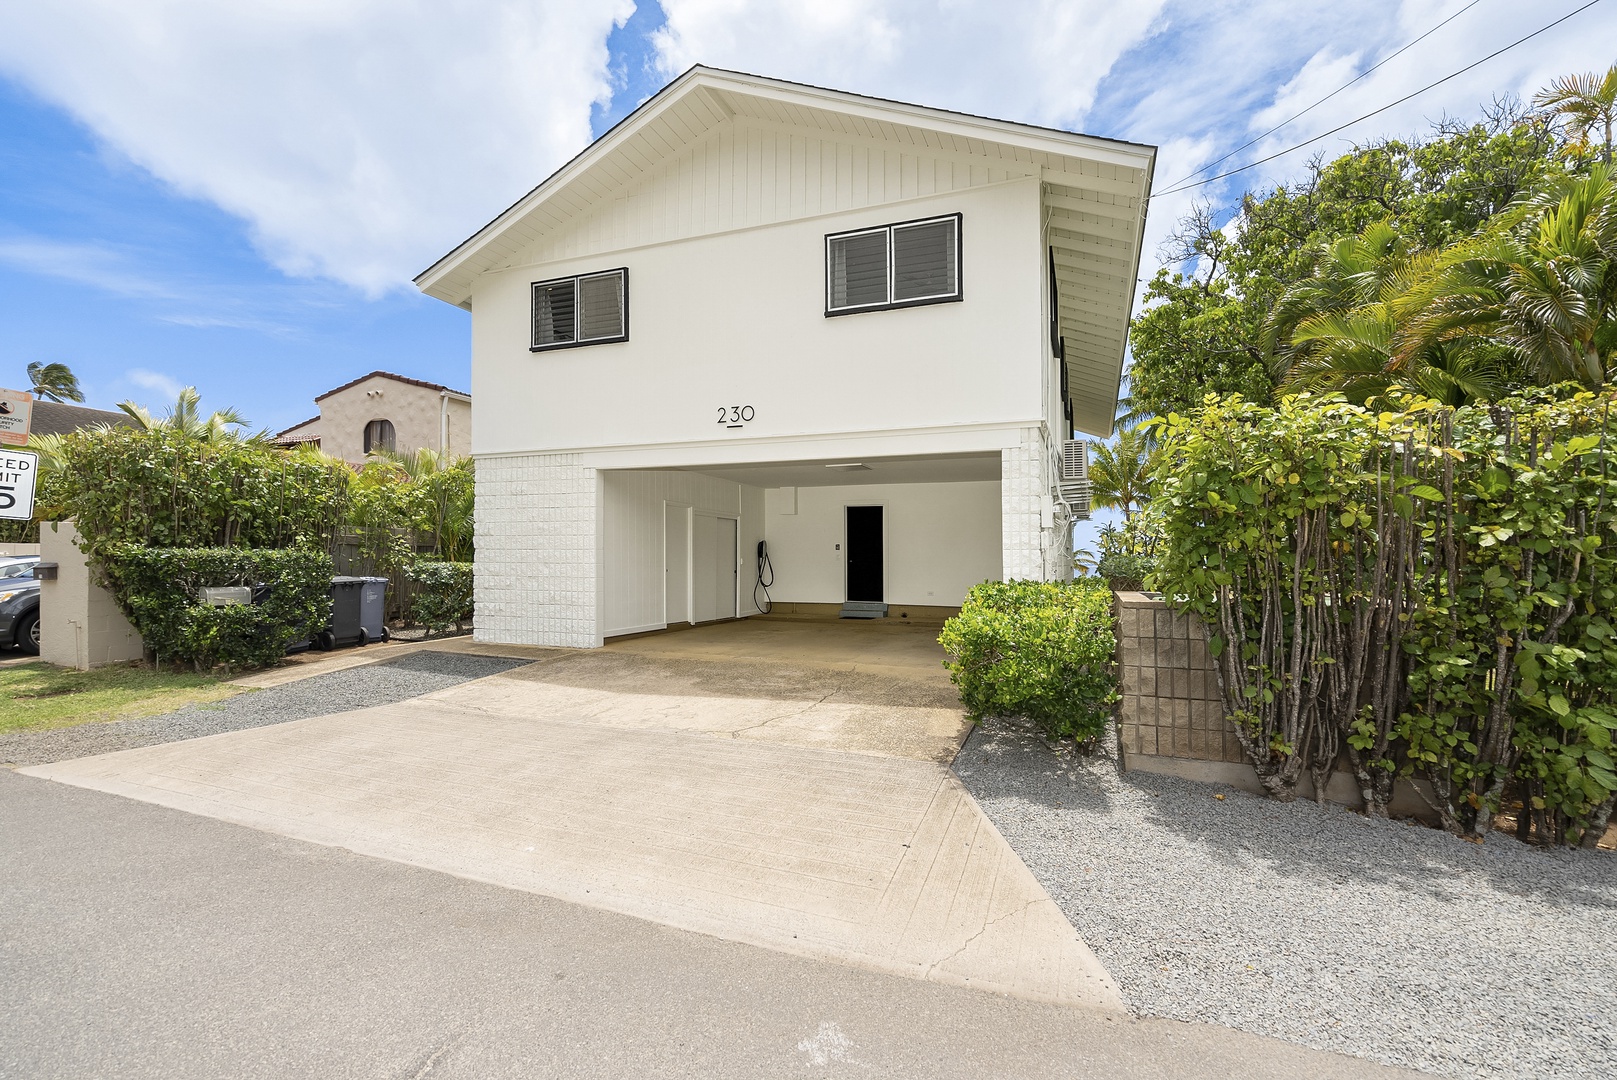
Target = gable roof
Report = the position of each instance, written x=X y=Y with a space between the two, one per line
x=1094 y=192
x=385 y=375
x=284 y=433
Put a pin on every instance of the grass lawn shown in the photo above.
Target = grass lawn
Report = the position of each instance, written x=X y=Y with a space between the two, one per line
x=36 y=696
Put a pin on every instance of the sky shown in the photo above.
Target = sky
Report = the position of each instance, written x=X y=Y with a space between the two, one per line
x=236 y=196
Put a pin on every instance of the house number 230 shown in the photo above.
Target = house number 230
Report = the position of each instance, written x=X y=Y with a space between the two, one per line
x=735 y=415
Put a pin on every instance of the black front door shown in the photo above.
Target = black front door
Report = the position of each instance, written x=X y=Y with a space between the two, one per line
x=864 y=553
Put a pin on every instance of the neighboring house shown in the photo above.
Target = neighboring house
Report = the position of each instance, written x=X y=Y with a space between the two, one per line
x=383 y=411
x=860 y=331
x=55 y=418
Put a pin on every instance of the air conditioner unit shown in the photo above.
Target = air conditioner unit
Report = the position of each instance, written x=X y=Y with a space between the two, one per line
x=1075 y=486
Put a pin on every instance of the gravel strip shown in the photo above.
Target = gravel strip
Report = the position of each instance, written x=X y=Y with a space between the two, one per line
x=1389 y=941
x=319 y=695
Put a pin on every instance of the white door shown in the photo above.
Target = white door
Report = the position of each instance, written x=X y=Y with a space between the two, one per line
x=676 y=564
x=714 y=561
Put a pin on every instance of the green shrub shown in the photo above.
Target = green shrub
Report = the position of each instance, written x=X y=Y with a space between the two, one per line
x=443 y=594
x=167 y=489
x=1127 y=554
x=1039 y=650
x=1123 y=572
x=158 y=588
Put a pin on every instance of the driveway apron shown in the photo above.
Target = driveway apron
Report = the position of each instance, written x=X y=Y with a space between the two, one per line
x=807 y=808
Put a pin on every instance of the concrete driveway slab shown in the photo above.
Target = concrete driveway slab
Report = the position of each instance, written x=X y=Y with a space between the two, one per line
x=883 y=862
x=854 y=711
x=145 y=944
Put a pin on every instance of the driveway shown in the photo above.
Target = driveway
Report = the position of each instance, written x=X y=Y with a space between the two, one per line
x=776 y=783
x=142 y=943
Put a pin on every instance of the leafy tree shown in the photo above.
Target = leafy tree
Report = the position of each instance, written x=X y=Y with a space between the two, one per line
x=53 y=382
x=185 y=417
x=1209 y=331
x=1586 y=103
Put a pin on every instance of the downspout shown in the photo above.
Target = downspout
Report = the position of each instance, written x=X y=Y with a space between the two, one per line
x=443 y=423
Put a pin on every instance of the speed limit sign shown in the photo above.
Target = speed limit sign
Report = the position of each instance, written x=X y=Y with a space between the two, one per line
x=18 y=468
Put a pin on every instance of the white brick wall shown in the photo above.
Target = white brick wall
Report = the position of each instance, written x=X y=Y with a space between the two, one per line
x=1036 y=534
x=537 y=555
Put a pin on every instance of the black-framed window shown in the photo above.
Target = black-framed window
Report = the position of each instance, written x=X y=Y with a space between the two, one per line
x=589 y=309
x=890 y=266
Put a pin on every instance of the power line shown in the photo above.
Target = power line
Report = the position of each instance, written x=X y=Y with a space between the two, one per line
x=1384 y=108
x=1333 y=93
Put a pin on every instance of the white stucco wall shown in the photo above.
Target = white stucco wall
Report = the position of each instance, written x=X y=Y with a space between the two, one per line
x=738 y=318
x=939 y=540
x=80 y=624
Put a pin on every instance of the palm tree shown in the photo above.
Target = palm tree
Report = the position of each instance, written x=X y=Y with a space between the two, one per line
x=1120 y=472
x=446 y=483
x=54 y=382
x=185 y=416
x=1363 y=326
x=1542 y=282
x=1586 y=102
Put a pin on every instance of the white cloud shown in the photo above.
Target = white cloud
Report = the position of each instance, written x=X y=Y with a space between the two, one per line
x=1037 y=61
x=83 y=263
x=156 y=382
x=360 y=139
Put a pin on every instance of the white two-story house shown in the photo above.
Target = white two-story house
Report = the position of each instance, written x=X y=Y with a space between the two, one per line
x=856 y=331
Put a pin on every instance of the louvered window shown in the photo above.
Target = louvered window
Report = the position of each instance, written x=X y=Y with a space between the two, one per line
x=591 y=309
x=913 y=262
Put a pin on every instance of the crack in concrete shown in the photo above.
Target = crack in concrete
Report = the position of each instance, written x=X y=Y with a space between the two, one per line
x=990 y=924
x=735 y=733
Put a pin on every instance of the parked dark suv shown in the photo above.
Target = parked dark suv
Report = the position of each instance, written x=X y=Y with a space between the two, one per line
x=19 y=605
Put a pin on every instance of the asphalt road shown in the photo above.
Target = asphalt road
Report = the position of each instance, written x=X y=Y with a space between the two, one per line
x=137 y=941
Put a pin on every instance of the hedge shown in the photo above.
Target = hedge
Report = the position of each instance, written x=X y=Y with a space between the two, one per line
x=167 y=489
x=1424 y=592
x=1039 y=650
x=443 y=596
x=158 y=589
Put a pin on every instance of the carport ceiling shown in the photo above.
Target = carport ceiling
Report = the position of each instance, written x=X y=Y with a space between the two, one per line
x=952 y=468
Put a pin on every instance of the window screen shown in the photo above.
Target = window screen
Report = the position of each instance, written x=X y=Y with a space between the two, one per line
x=553 y=312
x=924 y=260
x=600 y=307
x=858 y=269
x=914 y=262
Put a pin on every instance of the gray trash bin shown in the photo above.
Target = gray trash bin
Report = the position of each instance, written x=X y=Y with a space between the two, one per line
x=357 y=607
x=373 y=609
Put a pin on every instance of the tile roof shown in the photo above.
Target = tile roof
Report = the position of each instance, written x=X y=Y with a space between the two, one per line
x=395 y=378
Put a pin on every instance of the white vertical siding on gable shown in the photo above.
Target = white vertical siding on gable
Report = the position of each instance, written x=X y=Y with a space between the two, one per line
x=747 y=174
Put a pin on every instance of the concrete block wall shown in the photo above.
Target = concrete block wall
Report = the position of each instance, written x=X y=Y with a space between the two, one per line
x=1171 y=705
x=1036 y=542
x=80 y=624
x=538 y=554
